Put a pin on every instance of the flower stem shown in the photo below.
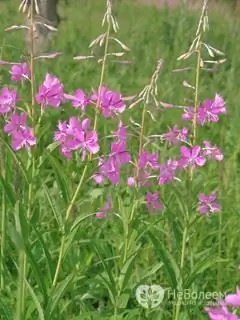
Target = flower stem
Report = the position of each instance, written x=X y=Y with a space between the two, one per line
x=3 y=240
x=22 y=255
x=68 y=212
x=102 y=74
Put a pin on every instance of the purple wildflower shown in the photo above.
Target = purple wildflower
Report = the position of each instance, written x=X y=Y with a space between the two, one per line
x=208 y=204
x=152 y=202
x=191 y=157
x=21 y=134
x=111 y=102
x=8 y=100
x=146 y=163
x=147 y=159
x=212 y=151
x=103 y=211
x=110 y=166
x=79 y=99
x=51 y=92
x=233 y=299
x=75 y=136
x=20 y=72
x=208 y=112
x=168 y=171
x=175 y=135
x=221 y=313
x=121 y=133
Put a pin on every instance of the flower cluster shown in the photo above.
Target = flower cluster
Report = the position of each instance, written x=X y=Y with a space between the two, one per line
x=110 y=166
x=21 y=134
x=76 y=135
x=208 y=112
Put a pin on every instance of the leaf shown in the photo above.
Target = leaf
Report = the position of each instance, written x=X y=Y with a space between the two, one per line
x=56 y=294
x=126 y=270
x=56 y=213
x=170 y=264
x=62 y=178
x=36 y=301
x=8 y=191
x=48 y=259
x=200 y=267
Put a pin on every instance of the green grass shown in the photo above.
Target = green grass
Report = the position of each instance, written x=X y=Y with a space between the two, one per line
x=107 y=259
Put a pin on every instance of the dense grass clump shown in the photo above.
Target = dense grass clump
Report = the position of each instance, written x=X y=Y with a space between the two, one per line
x=119 y=172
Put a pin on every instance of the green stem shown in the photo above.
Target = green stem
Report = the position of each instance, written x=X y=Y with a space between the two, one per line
x=141 y=136
x=19 y=306
x=194 y=124
x=102 y=74
x=183 y=250
x=3 y=239
x=22 y=255
x=220 y=217
x=68 y=212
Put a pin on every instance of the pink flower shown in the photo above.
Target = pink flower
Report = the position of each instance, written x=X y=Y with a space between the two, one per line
x=147 y=159
x=208 y=112
x=233 y=299
x=79 y=99
x=76 y=136
x=208 y=204
x=51 y=92
x=111 y=102
x=8 y=100
x=152 y=202
x=147 y=163
x=21 y=134
x=103 y=211
x=221 y=313
x=175 y=135
x=20 y=72
x=168 y=171
x=121 y=133
x=212 y=151
x=191 y=157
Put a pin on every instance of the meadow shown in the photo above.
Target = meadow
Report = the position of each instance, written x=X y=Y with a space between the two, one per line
x=87 y=227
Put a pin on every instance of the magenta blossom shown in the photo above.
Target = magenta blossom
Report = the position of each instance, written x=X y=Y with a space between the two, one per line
x=111 y=165
x=208 y=204
x=121 y=133
x=110 y=102
x=208 y=112
x=21 y=134
x=175 y=135
x=221 y=313
x=103 y=211
x=8 y=100
x=152 y=202
x=148 y=160
x=147 y=163
x=191 y=157
x=76 y=136
x=168 y=171
x=51 y=92
x=233 y=299
x=20 y=72
x=212 y=151
x=79 y=99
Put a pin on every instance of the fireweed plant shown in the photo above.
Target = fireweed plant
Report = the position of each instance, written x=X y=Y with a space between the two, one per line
x=120 y=155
